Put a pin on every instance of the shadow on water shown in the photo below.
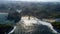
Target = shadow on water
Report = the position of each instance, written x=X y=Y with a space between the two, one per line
x=58 y=30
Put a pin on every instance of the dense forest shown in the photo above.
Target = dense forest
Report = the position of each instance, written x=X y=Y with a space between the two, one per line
x=39 y=10
x=42 y=10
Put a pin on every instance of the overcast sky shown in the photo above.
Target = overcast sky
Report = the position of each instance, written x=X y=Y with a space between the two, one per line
x=34 y=0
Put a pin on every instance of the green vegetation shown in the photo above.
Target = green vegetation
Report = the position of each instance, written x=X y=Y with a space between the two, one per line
x=5 y=28
x=42 y=10
x=39 y=10
x=56 y=24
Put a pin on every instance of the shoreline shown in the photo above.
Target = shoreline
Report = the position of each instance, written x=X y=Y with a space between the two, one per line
x=58 y=30
x=3 y=13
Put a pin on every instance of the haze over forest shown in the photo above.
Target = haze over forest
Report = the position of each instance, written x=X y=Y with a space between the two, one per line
x=39 y=9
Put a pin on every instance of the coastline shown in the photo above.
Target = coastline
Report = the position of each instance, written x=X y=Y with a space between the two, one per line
x=3 y=13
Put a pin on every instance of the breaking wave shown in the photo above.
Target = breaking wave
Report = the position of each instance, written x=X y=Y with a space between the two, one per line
x=32 y=25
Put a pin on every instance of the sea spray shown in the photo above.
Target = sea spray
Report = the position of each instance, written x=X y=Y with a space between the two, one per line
x=33 y=26
x=48 y=25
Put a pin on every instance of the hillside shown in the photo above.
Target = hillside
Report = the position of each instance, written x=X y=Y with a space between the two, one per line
x=39 y=10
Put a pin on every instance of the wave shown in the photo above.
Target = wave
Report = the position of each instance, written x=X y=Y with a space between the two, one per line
x=33 y=26
x=12 y=30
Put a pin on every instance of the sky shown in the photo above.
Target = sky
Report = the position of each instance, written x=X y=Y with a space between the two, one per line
x=34 y=0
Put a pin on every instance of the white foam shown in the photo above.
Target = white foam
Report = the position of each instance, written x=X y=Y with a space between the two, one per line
x=12 y=30
x=31 y=21
x=34 y=20
x=49 y=25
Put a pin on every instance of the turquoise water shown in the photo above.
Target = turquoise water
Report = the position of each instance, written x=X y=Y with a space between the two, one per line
x=3 y=18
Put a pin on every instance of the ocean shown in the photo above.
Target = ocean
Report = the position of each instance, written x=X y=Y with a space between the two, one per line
x=3 y=17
